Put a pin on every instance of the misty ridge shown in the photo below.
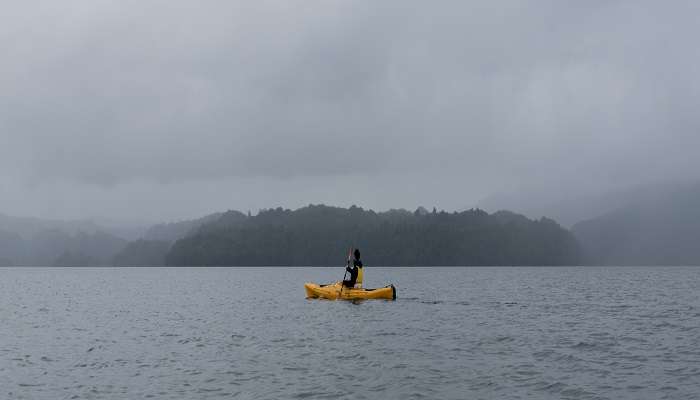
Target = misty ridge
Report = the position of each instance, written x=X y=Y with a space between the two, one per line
x=37 y=242
x=646 y=225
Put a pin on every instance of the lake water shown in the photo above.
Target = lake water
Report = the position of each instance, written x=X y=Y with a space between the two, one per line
x=453 y=333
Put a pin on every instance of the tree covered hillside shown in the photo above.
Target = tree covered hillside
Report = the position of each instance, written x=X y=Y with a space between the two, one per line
x=321 y=235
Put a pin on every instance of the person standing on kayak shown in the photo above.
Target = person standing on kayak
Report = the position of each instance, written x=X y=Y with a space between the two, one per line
x=355 y=271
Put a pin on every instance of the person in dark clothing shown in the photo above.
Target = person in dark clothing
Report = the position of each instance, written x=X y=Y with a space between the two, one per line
x=354 y=270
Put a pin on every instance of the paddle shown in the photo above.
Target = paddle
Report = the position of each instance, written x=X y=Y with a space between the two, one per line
x=342 y=283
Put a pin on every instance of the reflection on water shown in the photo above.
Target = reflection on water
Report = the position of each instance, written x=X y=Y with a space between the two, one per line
x=573 y=333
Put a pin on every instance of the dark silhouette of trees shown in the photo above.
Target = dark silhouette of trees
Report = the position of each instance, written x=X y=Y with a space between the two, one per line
x=321 y=235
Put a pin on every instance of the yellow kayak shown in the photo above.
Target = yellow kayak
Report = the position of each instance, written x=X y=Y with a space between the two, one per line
x=335 y=291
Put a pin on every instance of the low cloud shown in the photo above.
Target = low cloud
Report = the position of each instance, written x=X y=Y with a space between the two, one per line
x=464 y=98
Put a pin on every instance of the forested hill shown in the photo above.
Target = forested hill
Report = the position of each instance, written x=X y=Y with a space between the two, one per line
x=321 y=235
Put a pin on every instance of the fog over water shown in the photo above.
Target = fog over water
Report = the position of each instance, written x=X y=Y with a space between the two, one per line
x=161 y=110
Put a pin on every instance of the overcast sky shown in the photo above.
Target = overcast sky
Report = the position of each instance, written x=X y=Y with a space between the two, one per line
x=159 y=110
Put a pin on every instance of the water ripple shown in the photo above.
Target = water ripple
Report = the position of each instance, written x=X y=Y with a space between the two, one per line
x=507 y=333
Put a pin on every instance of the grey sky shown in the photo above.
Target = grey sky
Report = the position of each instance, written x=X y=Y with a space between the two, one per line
x=159 y=109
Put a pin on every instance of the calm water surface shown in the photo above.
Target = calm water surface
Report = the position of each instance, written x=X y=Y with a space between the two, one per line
x=453 y=333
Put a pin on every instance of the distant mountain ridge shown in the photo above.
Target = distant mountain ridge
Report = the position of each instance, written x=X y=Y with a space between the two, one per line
x=652 y=225
x=57 y=247
x=26 y=227
x=570 y=207
x=660 y=229
x=43 y=242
